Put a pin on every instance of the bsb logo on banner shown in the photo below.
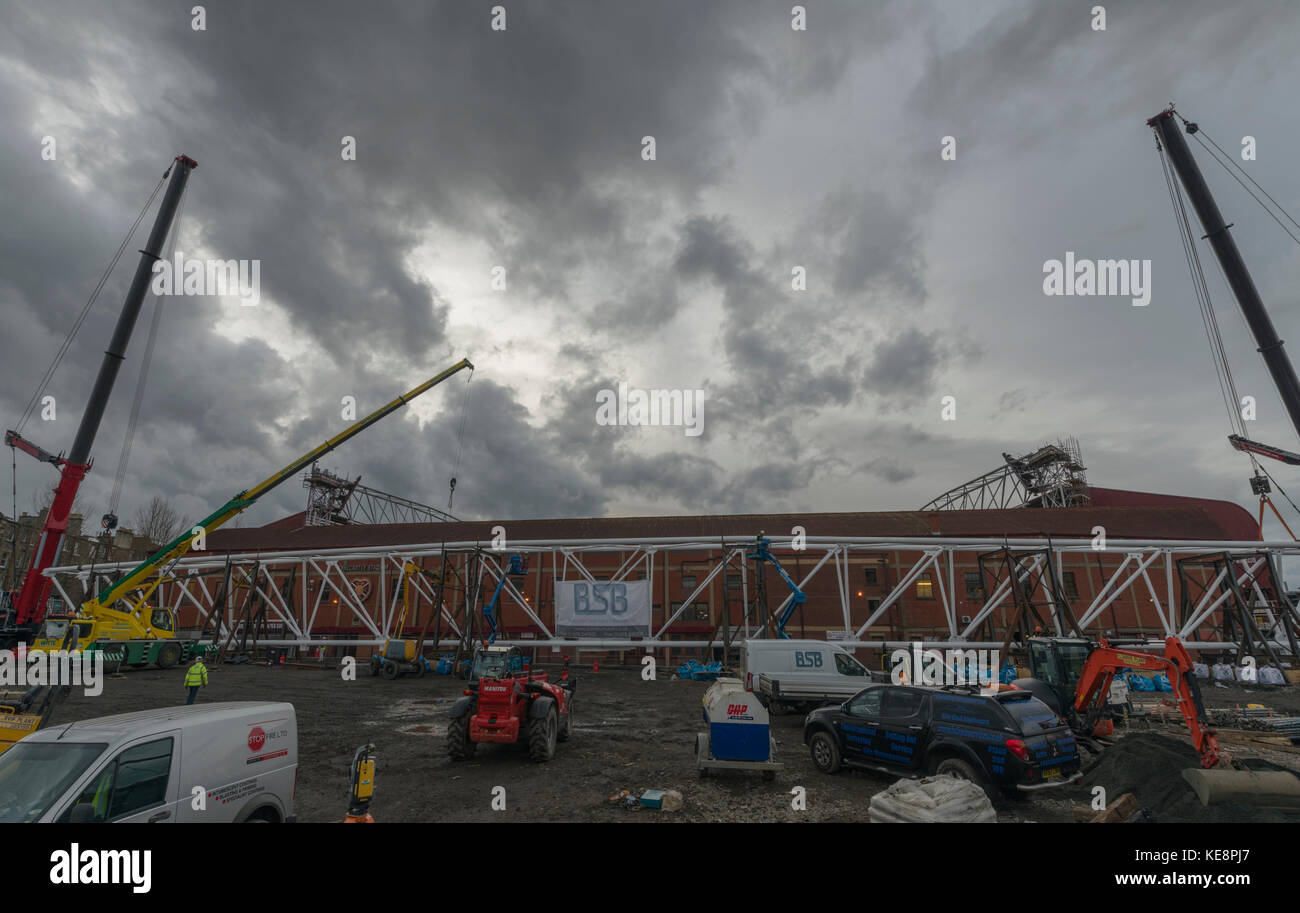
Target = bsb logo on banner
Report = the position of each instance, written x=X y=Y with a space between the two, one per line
x=586 y=609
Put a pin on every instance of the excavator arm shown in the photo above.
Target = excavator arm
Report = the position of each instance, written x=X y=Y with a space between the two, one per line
x=1106 y=661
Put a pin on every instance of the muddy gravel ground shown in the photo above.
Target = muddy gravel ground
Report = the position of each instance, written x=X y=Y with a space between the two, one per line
x=629 y=734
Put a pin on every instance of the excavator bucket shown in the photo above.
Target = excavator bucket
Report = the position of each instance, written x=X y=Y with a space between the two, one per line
x=1278 y=789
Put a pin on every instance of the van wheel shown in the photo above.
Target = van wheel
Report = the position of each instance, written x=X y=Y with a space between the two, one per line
x=459 y=745
x=169 y=656
x=825 y=753
x=956 y=767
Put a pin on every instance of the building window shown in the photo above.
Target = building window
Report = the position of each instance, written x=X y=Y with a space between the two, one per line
x=733 y=581
x=974 y=585
x=688 y=583
x=925 y=586
x=1071 y=588
x=873 y=576
x=696 y=611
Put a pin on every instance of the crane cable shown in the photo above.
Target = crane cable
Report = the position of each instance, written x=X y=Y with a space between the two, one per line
x=48 y=376
x=85 y=311
x=1228 y=164
x=460 y=440
x=1218 y=351
x=141 y=382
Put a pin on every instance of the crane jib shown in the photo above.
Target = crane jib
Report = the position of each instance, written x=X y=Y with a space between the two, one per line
x=182 y=543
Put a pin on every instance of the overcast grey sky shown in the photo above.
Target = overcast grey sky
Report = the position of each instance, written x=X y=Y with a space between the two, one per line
x=522 y=149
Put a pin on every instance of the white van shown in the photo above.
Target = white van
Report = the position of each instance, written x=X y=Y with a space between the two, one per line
x=800 y=673
x=152 y=766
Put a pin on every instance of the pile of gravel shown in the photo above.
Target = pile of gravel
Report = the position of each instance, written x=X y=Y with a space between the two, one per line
x=1150 y=767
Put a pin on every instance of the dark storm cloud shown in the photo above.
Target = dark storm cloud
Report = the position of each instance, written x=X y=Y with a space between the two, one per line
x=779 y=351
x=906 y=366
x=888 y=469
x=524 y=146
x=528 y=140
x=504 y=469
x=983 y=85
x=874 y=246
x=659 y=464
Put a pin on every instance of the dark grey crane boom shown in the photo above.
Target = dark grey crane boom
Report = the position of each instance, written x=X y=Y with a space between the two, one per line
x=1165 y=125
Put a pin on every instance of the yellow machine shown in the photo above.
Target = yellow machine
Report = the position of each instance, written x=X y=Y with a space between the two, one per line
x=363 y=786
x=119 y=619
x=28 y=712
x=399 y=655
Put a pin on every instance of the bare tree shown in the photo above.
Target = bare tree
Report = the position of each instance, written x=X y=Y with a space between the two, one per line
x=44 y=497
x=159 y=522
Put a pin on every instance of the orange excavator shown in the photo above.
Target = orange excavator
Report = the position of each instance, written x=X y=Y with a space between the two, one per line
x=1073 y=676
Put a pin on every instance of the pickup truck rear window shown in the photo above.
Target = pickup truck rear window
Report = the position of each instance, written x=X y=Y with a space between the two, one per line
x=1032 y=716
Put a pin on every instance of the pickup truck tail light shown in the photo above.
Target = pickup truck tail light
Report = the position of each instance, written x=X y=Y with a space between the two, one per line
x=1018 y=748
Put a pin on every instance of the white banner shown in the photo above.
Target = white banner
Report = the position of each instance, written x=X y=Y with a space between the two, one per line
x=602 y=609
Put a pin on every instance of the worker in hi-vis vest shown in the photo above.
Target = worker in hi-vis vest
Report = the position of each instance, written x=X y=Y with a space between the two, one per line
x=195 y=678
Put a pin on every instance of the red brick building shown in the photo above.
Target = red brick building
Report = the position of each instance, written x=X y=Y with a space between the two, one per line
x=917 y=614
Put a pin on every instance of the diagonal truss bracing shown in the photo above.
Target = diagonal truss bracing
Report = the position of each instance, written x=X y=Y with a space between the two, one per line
x=1138 y=570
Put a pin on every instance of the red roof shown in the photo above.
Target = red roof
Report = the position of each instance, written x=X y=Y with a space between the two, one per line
x=1125 y=515
x=1233 y=518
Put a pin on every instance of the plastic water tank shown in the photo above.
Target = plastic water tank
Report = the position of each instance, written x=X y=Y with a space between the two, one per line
x=738 y=723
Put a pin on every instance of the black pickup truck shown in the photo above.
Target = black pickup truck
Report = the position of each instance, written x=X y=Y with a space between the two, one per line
x=1005 y=741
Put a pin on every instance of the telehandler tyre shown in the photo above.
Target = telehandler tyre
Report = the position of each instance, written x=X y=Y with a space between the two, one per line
x=459 y=745
x=543 y=732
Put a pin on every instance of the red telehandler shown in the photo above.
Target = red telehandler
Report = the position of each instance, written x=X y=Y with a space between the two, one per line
x=508 y=706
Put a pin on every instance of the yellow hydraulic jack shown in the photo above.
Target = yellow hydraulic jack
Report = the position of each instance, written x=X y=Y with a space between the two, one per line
x=363 y=786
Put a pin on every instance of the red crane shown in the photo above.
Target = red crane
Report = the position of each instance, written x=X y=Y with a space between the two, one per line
x=29 y=603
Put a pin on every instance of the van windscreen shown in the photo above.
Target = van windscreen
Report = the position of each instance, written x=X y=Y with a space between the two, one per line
x=34 y=775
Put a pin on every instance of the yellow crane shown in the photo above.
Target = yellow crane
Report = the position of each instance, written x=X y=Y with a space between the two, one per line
x=119 y=620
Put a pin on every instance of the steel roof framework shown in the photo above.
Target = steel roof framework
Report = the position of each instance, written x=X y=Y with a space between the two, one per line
x=1147 y=567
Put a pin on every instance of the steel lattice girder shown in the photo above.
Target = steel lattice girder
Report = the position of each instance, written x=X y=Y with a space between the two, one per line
x=188 y=583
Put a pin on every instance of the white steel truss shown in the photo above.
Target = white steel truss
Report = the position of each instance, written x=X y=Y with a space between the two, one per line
x=1147 y=568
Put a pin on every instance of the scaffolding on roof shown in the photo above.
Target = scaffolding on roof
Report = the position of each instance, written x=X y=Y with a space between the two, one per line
x=1051 y=476
x=333 y=500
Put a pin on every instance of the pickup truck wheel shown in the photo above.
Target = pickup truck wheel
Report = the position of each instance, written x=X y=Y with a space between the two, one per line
x=825 y=753
x=459 y=745
x=956 y=767
x=542 y=736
